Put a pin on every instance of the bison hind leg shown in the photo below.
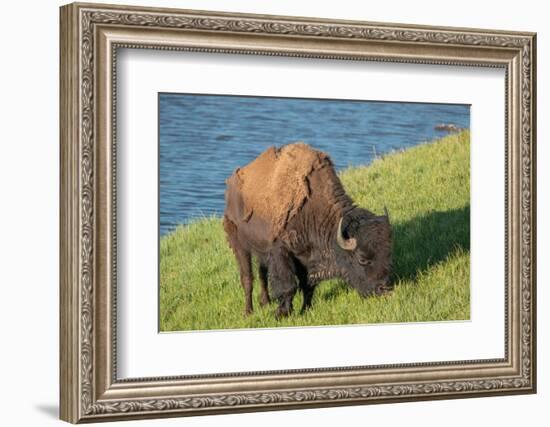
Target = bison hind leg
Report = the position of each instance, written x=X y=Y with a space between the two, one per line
x=244 y=260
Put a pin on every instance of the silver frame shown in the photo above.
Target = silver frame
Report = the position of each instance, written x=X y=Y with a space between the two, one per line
x=90 y=37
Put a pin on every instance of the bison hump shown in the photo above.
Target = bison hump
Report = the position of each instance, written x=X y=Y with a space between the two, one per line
x=275 y=185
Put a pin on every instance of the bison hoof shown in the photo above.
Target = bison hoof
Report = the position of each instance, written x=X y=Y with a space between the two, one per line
x=281 y=313
x=264 y=300
x=248 y=311
x=305 y=309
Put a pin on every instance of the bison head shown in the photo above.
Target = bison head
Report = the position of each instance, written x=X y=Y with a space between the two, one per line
x=363 y=247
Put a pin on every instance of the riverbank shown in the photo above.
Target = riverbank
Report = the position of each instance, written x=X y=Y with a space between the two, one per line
x=427 y=191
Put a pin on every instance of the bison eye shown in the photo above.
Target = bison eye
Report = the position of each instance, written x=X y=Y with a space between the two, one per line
x=365 y=261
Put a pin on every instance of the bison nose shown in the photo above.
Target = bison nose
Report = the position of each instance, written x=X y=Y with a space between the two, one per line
x=382 y=287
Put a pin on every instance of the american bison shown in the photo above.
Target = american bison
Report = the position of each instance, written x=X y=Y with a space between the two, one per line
x=289 y=209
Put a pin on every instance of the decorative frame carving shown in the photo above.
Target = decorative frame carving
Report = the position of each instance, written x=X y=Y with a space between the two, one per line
x=90 y=36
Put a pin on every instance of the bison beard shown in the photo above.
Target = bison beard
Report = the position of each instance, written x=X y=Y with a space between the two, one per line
x=288 y=208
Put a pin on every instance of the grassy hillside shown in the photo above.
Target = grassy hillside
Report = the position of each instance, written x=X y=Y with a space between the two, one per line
x=427 y=192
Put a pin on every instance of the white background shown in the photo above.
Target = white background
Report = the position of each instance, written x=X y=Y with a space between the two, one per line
x=144 y=73
x=29 y=171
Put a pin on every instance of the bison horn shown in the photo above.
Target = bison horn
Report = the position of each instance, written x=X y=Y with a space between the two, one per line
x=346 y=244
x=387 y=213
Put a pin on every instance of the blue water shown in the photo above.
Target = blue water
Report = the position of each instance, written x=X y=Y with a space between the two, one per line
x=203 y=138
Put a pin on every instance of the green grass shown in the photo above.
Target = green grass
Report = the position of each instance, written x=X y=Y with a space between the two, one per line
x=426 y=190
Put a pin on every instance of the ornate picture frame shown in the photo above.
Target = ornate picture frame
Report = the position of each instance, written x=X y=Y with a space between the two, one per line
x=90 y=37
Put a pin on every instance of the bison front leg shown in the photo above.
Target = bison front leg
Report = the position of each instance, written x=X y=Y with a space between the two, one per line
x=264 y=294
x=282 y=276
x=305 y=285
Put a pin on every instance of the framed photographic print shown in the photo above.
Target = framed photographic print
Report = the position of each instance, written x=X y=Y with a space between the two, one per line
x=266 y=212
